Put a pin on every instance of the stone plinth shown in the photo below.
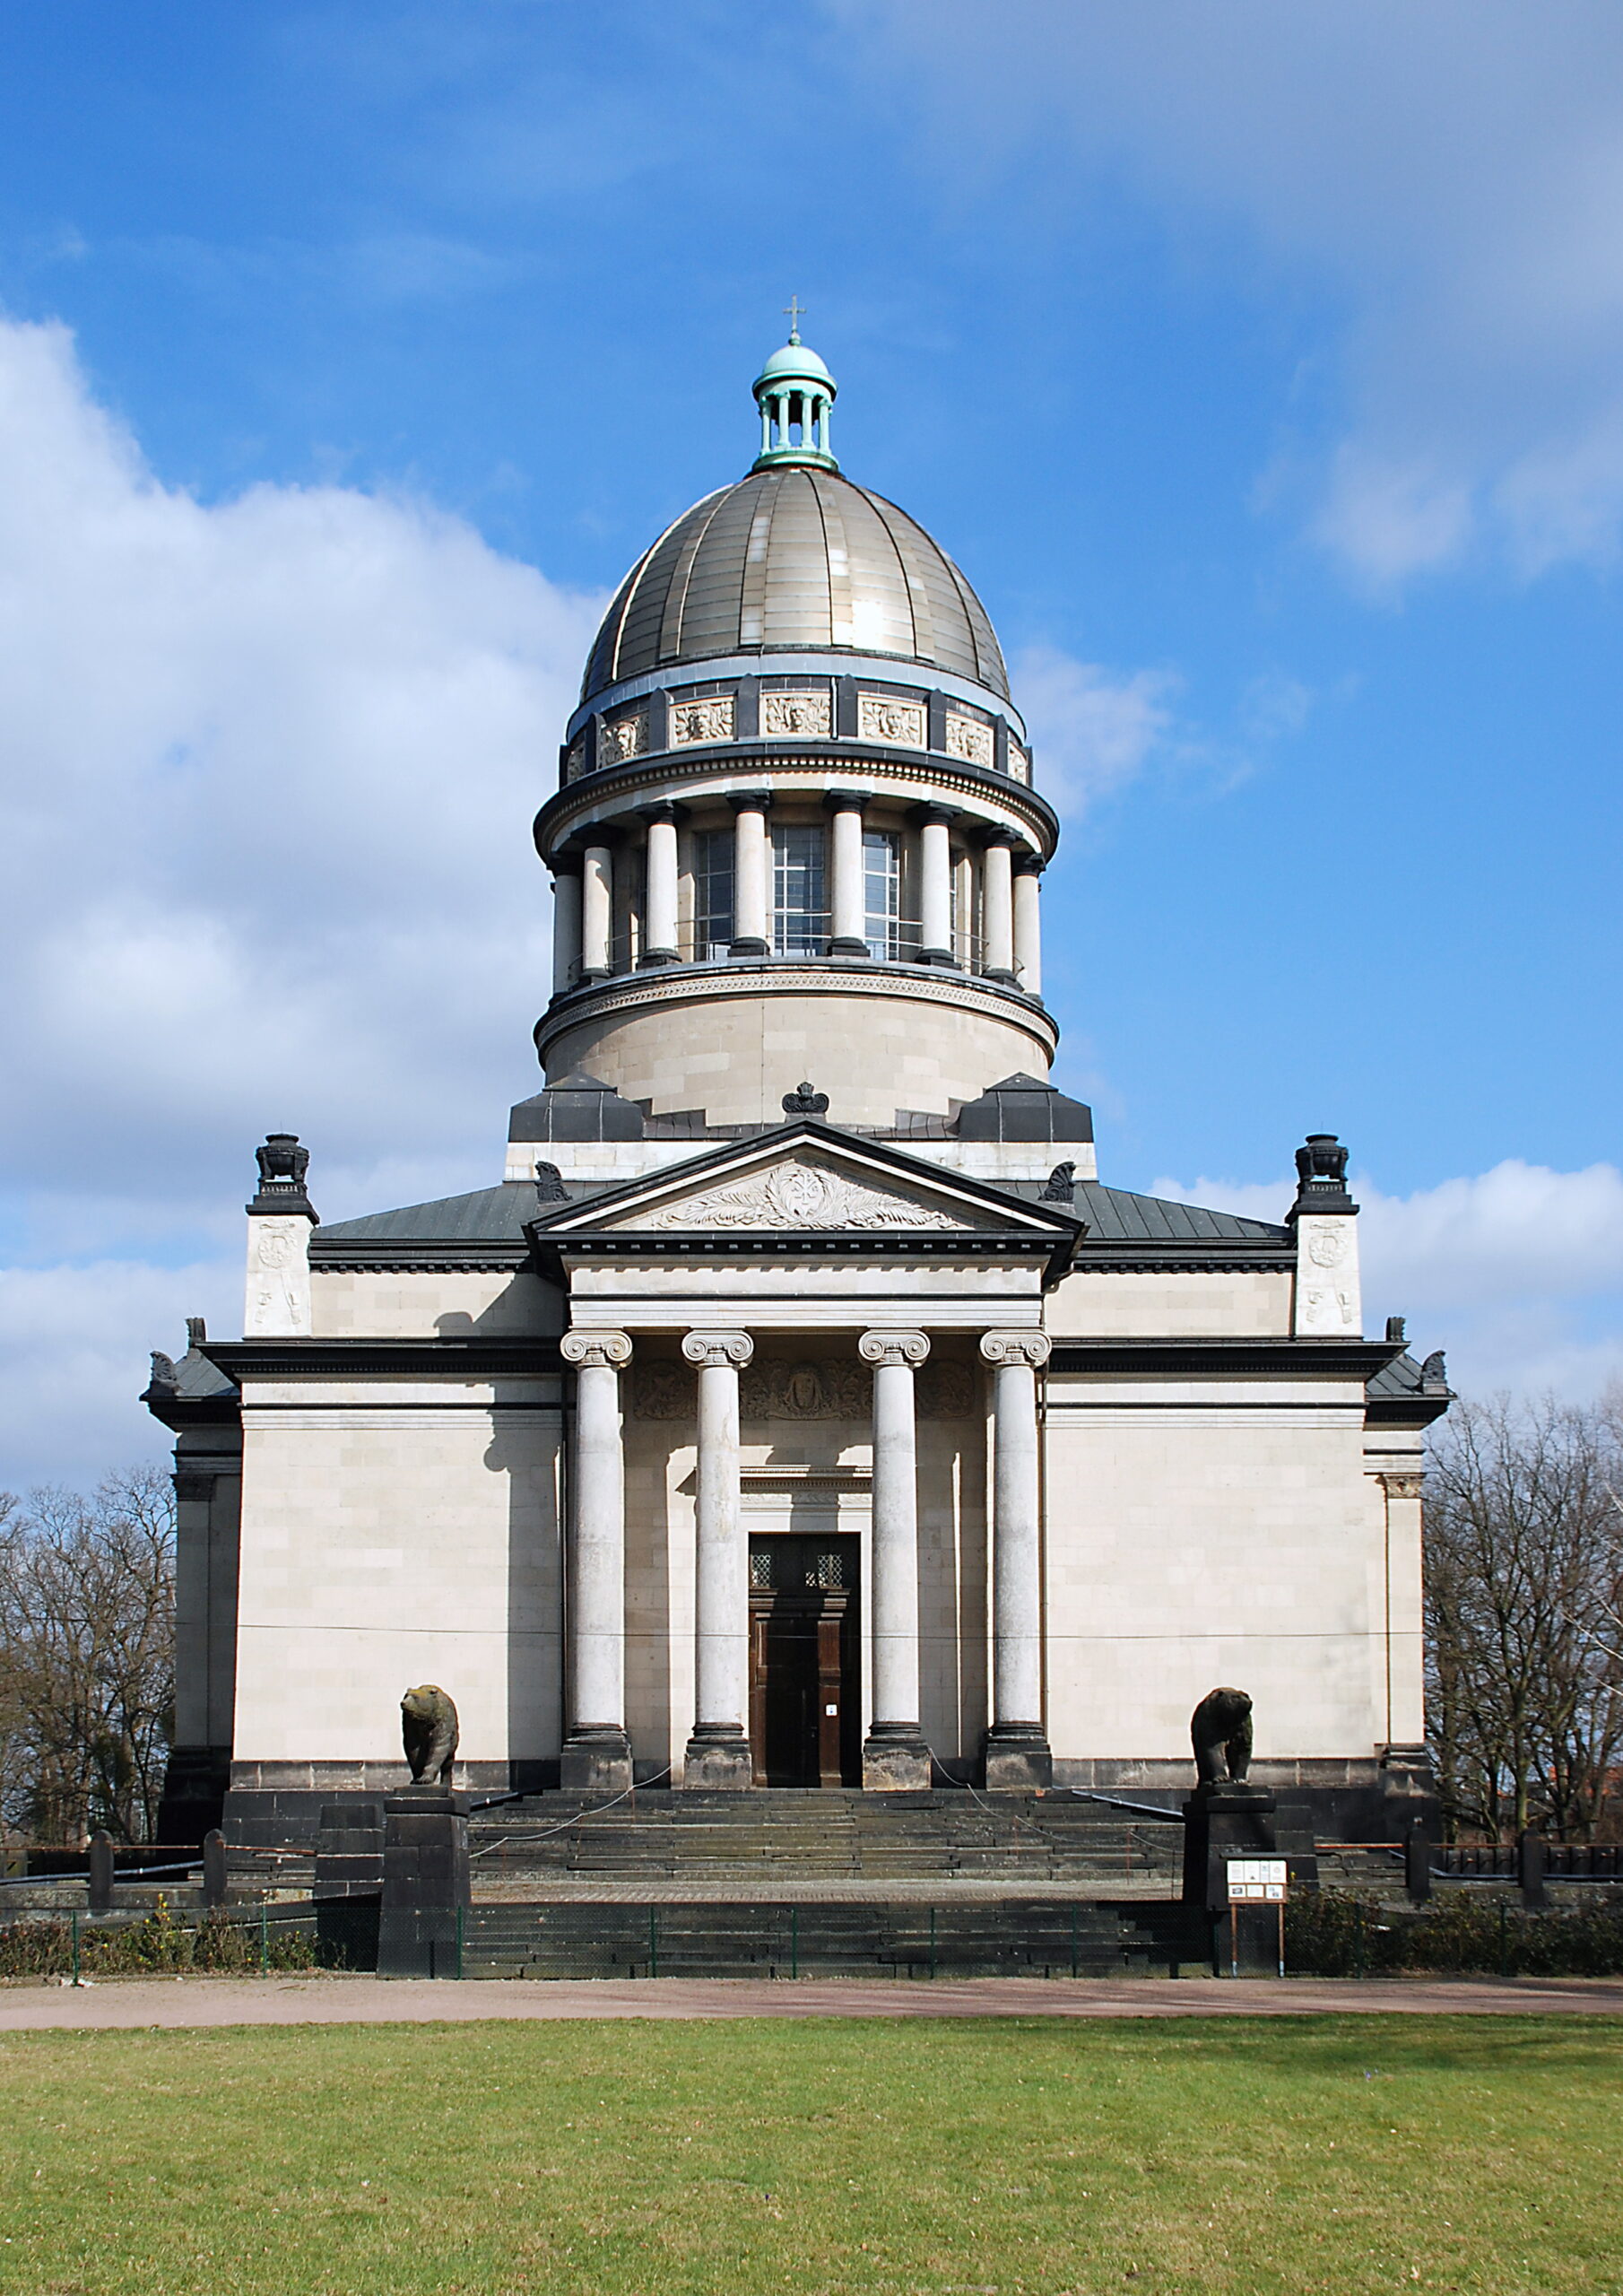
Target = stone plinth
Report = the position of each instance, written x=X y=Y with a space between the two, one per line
x=595 y=1761
x=896 y=1760
x=425 y=1883
x=1017 y=1758
x=1219 y=1822
x=718 y=1759
x=349 y=1847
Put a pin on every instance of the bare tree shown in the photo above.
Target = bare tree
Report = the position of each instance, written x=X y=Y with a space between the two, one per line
x=87 y=1666
x=1524 y=1565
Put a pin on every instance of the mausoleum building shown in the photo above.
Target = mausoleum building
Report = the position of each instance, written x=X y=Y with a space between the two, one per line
x=797 y=1405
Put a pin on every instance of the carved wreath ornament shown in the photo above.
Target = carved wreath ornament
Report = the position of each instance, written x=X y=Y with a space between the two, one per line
x=801 y=1195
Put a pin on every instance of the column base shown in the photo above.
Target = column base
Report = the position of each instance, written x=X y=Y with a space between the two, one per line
x=719 y=1760
x=595 y=1760
x=939 y=957
x=1005 y=975
x=590 y=975
x=651 y=957
x=846 y=944
x=749 y=946
x=896 y=1760
x=1017 y=1759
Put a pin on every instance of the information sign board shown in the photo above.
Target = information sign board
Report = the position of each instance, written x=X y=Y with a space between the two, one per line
x=1256 y=1880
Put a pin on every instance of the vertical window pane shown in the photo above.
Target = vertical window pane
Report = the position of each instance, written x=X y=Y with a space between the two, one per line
x=882 y=892
x=713 y=857
x=800 y=922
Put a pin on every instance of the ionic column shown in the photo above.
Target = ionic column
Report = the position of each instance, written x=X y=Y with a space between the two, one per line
x=846 y=900
x=935 y=886
x=997 y=906
x=596 y=912
x=1028 y=924
x=566 y=926
x=1017 y=1744
x=751 y=888
x=718 y=1751
x=894 y=1756
x=596 y=1753
x=659 y=892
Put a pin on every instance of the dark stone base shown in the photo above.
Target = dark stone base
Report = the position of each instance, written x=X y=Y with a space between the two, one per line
x=1017 y=1759
x=596 y=1760
x=845 y=946
x=652 y=957
x=1345 y=1798
x=195 y=1785
x=749 y=946
x=718 y=1761
x=349 y=1847
x=1220 y=1822
x=279 y=1805
x=896 y=1759
x=943 y=957
x=426 y=1883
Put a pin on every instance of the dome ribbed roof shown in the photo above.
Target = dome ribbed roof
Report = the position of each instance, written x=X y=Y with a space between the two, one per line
x=792 y=558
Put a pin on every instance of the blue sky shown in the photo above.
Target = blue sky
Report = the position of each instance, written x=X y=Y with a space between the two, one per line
x=1262 y=367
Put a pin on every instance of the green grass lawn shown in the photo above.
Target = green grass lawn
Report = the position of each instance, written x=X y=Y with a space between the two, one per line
x=1342 y=2154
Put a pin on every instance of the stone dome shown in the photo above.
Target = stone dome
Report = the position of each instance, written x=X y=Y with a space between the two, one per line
x=789 y=558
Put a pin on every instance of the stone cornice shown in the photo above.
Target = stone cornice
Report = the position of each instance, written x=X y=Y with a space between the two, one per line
x=815 y=763
x=460 y=1358
x=1278 y=1358
x=793 y=976
x=403 y=1256
x=1211 y=1255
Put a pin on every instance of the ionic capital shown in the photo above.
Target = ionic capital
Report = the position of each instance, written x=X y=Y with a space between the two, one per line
x=710 y=1349
x=908 y=1347
x=1032 y=1348
x=596 y=1350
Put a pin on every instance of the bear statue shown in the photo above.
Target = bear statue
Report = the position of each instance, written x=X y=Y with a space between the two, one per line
x=428 y=1723
x=1220 y=1728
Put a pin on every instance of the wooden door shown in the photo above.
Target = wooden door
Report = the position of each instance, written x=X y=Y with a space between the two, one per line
x=804 y=1694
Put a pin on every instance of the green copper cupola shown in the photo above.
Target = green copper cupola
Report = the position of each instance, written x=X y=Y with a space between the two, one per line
x=794 y=392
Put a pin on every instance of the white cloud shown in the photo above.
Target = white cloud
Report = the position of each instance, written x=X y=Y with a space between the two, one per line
x=1092 y=730
x=264 y=797
x=1450 y=176
x=1517 y=1271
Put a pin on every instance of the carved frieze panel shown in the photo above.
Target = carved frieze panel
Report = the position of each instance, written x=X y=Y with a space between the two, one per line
x=836 y=1387
x=1020 y=765
x=578 y=763
x=804 y=715
x=969 y=738
x=709 y=720
x=623 y=738
x=805 y=1195
x=898 y=724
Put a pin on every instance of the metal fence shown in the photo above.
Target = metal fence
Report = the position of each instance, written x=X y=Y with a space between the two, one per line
x=266 y=1939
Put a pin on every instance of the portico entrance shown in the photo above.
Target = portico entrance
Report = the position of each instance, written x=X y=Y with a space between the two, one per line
x=805 y=1640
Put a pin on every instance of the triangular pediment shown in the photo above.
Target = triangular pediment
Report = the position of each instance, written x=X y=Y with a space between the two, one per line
x=810 y=1180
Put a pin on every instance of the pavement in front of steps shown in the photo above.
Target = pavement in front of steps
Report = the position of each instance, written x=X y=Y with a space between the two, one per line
x=136 y=2004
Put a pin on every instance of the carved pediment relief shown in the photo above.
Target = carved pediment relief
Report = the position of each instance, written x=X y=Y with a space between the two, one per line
x=803 y=1193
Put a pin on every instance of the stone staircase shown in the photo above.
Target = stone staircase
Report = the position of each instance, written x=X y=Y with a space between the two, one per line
x=847 y=1842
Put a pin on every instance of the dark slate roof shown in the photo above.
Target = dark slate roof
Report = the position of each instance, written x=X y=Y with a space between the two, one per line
x=1114 y=1215
x=1402 y=1378
x=487 y=1216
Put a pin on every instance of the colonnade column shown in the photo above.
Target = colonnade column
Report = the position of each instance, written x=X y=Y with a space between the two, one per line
x=1028 y=924
x=565 y=924
x=1017 y=1744
x=848 y=902
x=596 y=912
x=997 y=907
x=896 y=1757
x=718 y=1753
x=597 y=1752
x=935 y=886
x=659 y=898
x=750 y=886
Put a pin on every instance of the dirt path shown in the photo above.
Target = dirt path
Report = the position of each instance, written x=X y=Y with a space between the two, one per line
x=153 y=2001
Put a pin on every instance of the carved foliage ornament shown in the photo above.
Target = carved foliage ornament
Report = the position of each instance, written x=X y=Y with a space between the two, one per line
x=803 y=1196
x=968 y=738
x=710 y=720
x=620 y=738
x=804 y=715
x=898 y=724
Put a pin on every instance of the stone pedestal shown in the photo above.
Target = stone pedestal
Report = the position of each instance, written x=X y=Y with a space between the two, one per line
x=896 y=1759
x=595 y=1761
x=1018 y=1759
x=718 y=1759
x=425 y=1884
x=349 y=1847
x=1219 y=1822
